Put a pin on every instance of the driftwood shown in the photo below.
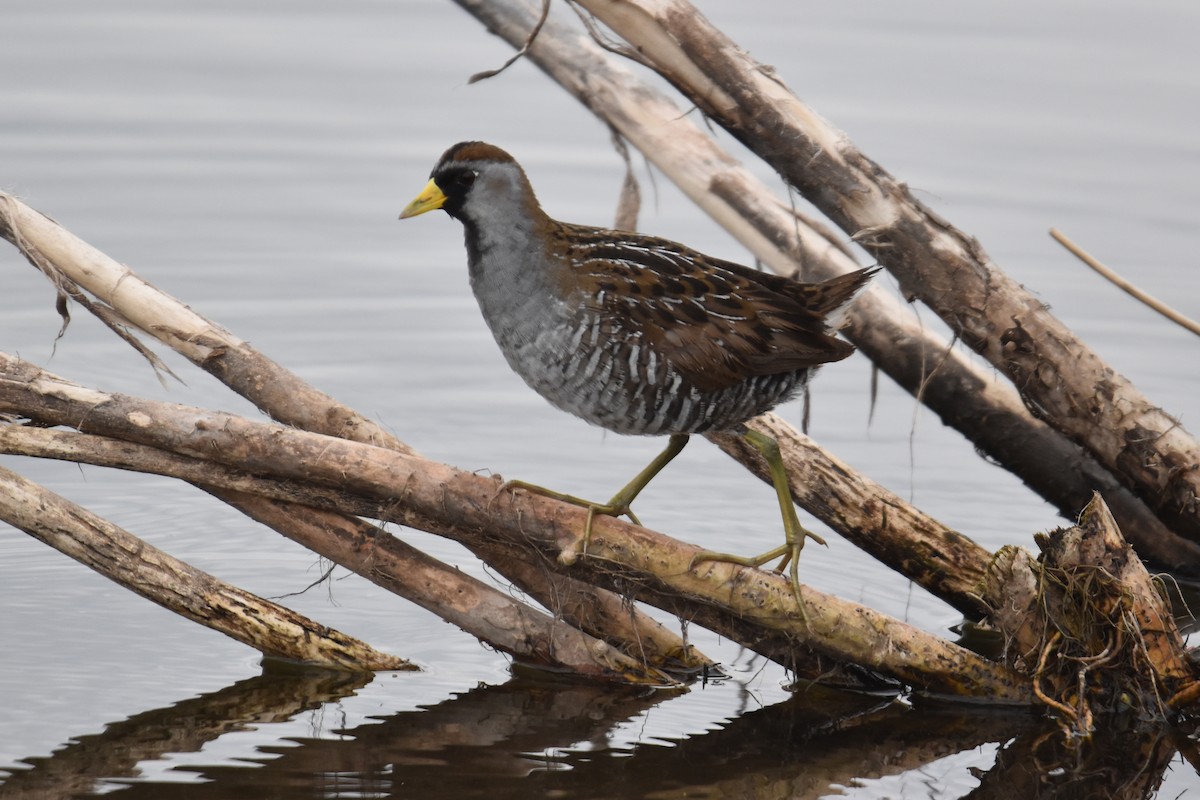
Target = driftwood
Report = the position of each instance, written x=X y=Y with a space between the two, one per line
x=531 y=636
x=1080 y=615
x=942 y=561
x=1061 y=380
x=965 y=395
x=80 y=262
x=670 y=37
x=125 y=559
x=750 y=606
x=80 y=271
x=316 y=476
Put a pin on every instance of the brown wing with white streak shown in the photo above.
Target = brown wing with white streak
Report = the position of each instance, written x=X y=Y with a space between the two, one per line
x=716 y=322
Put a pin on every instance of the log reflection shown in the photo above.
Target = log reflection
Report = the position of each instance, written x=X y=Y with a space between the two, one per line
x=533 y=738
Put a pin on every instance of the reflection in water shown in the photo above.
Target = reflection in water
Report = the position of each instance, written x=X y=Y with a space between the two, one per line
x=535 y=738
x=1121 y=762
x=184 y=727
x=204 y=144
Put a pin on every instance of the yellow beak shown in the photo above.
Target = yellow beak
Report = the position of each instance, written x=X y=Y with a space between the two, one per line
x=430 y=199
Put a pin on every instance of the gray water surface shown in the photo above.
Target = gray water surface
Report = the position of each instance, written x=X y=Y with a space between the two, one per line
x=250 y=159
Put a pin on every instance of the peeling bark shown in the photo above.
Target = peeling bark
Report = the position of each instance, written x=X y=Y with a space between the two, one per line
x=78 y=268
x=529 y=635
x=941 y=560
x=750 y=605
x=965 y=395
x=1061 y=380
x=127 y=560
x=1089 y=624
x=278 y=473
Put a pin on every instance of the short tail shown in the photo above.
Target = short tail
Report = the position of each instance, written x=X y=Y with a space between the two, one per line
x=831 y=298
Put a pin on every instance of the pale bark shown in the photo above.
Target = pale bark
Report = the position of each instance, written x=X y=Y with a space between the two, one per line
x=531 y=636
x=966 y=396
x=133 y=563
x=389 y=482
x=390 y=563
x=1060 y=379
x=413 y=491
x=76 y=267
x=72 y=265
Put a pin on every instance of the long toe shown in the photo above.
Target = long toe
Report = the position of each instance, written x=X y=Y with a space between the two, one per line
x=745 y=561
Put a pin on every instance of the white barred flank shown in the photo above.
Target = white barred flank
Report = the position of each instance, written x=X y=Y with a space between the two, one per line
x=628 y=388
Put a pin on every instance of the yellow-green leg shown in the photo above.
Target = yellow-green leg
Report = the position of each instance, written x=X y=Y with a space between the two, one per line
x=619 y=504
x=794 y=533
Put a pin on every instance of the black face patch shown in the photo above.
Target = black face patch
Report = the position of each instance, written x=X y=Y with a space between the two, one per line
x=455 y=182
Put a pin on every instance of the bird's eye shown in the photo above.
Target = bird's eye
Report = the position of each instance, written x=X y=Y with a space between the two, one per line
x=467 y=177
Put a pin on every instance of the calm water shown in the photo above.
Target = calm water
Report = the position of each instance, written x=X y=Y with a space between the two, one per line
x=250 y=158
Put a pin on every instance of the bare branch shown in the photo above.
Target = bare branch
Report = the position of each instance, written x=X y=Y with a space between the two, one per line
x=122 y=557
x=290 y=400
x=967 y=396
x=756 y=608
x=1125 y=286
x=489 y=73
x=1148 y=450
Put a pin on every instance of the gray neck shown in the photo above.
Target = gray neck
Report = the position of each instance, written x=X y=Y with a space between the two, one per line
x=510 y=273
x=498 y=245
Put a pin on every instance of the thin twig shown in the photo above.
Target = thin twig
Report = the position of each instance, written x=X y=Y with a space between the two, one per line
x=605 y=41
x=491 y=73
x=1126 y=286
x=630 y=201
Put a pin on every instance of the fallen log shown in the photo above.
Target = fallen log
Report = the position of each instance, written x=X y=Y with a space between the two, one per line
x=311 y=470
x=755 y=608
x=355 y=478
x=122 y=298
x=965 y=395
x=531 y=636
x=941 y=560
x=120 y=556
x=1061 y=380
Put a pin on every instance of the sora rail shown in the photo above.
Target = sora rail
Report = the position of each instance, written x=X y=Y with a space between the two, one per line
x=634 y=333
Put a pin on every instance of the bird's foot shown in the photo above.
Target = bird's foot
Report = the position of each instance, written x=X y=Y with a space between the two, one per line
x=794 y=533
x=788 y=553
x=783 y=551
x=617 y=507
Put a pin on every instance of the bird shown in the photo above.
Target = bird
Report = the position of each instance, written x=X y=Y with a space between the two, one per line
x=637 y=334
